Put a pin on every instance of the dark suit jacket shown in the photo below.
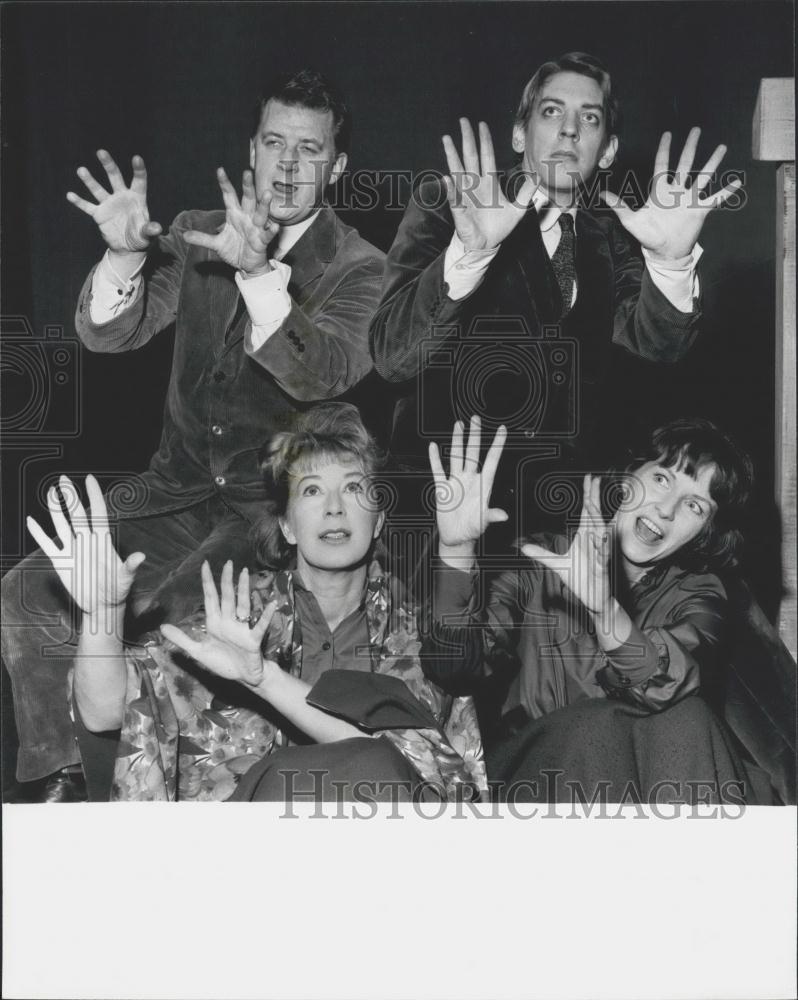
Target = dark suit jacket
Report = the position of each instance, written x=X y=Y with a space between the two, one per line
x=224 y=403
x=502 y=351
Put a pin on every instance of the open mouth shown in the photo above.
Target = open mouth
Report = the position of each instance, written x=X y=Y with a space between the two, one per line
x=647 y=531
x=336 y=536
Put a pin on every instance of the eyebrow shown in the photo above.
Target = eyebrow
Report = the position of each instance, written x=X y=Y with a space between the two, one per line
x=354 y=474
x=281 y=135
x=558 y=100
x=668 y=470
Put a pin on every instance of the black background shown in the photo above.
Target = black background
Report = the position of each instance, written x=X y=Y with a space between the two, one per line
x=176 y=83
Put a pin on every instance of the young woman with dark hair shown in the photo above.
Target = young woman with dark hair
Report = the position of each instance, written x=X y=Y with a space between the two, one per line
x=592 y=647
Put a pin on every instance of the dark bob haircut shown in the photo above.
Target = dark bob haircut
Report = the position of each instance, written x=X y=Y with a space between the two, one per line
x=572 y=62
x=690 y=445
x=327 y=432
x=308 y=89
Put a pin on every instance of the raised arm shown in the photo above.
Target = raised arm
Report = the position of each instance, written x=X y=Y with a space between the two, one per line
x=232 y=650
x=463 y=220
x=131 y=295
x=453 y=651
x=99 y=582
x=656 y=312
x=652 y=665
x=121 y=214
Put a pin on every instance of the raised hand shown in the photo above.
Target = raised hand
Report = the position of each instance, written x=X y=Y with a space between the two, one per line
x=483 y=216
x=247 y=229
x=87 y=562
x=463 y=497
x=121 y=214
x=584 y=568
x=669 y=223
x=232 y=647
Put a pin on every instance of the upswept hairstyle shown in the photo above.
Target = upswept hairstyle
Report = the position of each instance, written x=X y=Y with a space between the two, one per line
x=308 y=89
x=327 y=432
x=572 y=62
x=690 y=445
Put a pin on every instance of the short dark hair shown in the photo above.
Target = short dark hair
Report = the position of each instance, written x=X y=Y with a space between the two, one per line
x=571 y=62
x=690 y=445
x=331 y=431
x=308 y=89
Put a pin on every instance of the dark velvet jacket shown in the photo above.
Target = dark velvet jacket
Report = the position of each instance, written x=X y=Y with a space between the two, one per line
x=502 y=350
x=224 y=400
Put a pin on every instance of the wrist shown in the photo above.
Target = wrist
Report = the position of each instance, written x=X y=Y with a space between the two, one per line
x=256 y=272
x=672 y=261
x=264 y=670
x=104 y=620
x=125 y=263
x=460 y=555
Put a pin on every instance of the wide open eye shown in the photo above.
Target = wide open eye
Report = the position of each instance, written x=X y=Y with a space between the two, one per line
x=311 y=490
x=696 y=508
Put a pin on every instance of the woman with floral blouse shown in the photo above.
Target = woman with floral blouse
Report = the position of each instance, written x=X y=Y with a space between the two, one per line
x=311 y=673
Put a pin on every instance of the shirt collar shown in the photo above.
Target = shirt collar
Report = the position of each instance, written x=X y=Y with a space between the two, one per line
x=290 y=235
x=548 y=213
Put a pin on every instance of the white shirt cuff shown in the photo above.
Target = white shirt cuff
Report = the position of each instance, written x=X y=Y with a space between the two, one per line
x=110 y=293
x=267 y=300
x=463 y=270
x=676 y=279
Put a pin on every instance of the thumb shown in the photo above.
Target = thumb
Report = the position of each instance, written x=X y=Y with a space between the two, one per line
x=151 y=229
x=525 y=193
x=133 y=562
x=535 y=552
x=496 y=514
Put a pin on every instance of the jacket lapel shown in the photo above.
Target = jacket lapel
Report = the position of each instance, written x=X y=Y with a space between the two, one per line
x=311 y=254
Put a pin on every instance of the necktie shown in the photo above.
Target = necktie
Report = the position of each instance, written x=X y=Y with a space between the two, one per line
x=564 y=262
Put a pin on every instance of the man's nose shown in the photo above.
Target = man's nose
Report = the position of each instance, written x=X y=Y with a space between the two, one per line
x=570 y=125
x=288 y=161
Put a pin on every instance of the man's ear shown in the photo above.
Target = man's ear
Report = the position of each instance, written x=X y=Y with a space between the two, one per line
x=251 y=154
x=338 y=167
x=519 y=138
x=288 y=534
x=610 y=151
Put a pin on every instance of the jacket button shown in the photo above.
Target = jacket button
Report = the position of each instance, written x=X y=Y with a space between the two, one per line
x=219 y=376
x=301 y=348
x=217 y=430
x=219 y=480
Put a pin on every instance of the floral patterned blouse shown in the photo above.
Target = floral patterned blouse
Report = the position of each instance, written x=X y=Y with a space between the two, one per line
x=188 y=735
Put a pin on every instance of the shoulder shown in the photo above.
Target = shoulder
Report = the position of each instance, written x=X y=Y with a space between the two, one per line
x=349 y=242
x=694 y=584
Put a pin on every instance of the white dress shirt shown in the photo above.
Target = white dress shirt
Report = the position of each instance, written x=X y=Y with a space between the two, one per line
x=265 y=296
x=463 y=270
